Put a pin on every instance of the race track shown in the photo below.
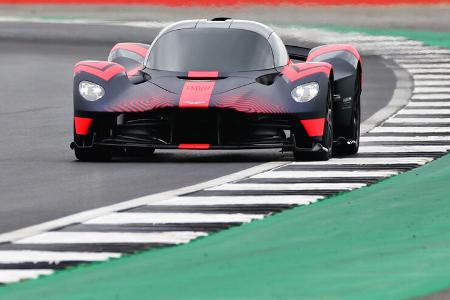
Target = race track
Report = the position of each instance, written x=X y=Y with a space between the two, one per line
x=39 y=177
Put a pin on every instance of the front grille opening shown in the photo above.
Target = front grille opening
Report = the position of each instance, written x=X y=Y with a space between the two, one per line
x=202 y=126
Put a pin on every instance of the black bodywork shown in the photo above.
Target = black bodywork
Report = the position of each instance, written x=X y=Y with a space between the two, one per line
x=154 y=98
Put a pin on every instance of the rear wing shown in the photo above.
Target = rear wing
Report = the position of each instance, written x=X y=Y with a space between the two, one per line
x=297 y=53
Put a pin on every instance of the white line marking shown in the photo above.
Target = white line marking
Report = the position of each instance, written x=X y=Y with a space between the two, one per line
x=431 y=76
x=428 y=104
x=443 y=59
x=424 y=112
x=241 y=200
x=286 y=186
x=65 y=237
x=431 y=97
x=176 y=218
x=423 y=83
x=324 y=174
x=424 y=66
x=429 y=71
x=368 y=161
x=10 y=276
x=404 y=138
x=24 y=256
x=431 y=90
x=412 y=129
x=418 y=120
x=403 y=149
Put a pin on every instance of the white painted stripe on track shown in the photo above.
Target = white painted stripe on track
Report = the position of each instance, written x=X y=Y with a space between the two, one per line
x=67 y=237
x=431 y=89
x=431 y=77
x=413 y=56
x=10 y=276
x=418 y=120
x=241 y=200
x=286 y=186
x=412 y=129
x=23 y=256
x=325 y=174
x=423 y=61
x=404 y=138
x=431 y=83
x=403 y=149
x=424 y=112
x=173 y=218
x=424 y=66
x=433 y=96
x=435 y=70
x=368 y=161
x=429 y=104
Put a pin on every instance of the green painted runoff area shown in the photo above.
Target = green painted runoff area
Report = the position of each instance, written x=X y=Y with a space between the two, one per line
x=438 y=39
x=390 y=240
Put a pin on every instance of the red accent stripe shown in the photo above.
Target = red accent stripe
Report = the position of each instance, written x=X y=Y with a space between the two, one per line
x=203 y=74
x=332 y=48
x=314 y=127
x=91 y=68
x=310 y=69
x=142 y=51
x=82 y=125
x=193 y=146
x=197 y=94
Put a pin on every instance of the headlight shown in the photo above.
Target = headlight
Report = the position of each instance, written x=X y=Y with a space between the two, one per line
x=90 y=91
x=305 y=92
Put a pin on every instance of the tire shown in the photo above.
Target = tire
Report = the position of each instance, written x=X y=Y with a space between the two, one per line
x=327 y=141
x=354 y=128
x=92 y=154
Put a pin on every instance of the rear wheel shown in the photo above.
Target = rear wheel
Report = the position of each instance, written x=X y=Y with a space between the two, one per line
x=92 y=154
x=327 y=141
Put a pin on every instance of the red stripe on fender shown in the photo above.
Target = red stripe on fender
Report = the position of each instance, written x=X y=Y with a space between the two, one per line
x=197 y=94
x=332 y=48
x=294 y=75
x=193 y=146
x=203 y=74
x=142 y=51
x=82 y=125
x=314 y=127
x=106 y=75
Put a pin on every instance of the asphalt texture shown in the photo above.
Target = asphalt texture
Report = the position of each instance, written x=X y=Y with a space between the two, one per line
x=40 y=179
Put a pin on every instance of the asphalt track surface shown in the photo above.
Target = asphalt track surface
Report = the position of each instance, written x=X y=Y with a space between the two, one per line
x=39 y=177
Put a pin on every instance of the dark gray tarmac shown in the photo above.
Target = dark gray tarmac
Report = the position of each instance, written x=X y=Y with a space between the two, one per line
x=39 y=177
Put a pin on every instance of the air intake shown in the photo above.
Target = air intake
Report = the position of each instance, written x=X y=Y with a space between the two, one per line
x=220 y=19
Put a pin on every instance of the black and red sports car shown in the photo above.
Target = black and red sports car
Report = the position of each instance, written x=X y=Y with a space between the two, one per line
x=218 y=84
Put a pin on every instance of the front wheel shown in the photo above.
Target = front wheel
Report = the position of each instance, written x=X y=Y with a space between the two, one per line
x=327 y=141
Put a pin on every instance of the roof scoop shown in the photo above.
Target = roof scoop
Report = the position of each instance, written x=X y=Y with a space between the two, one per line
x=220 y=19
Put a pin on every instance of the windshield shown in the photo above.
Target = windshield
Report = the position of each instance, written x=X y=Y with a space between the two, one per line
x=225 y=50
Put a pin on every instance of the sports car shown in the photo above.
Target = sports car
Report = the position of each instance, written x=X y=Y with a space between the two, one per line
x=218 y=84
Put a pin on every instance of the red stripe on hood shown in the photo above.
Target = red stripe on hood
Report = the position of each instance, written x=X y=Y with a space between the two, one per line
x=197 y=94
